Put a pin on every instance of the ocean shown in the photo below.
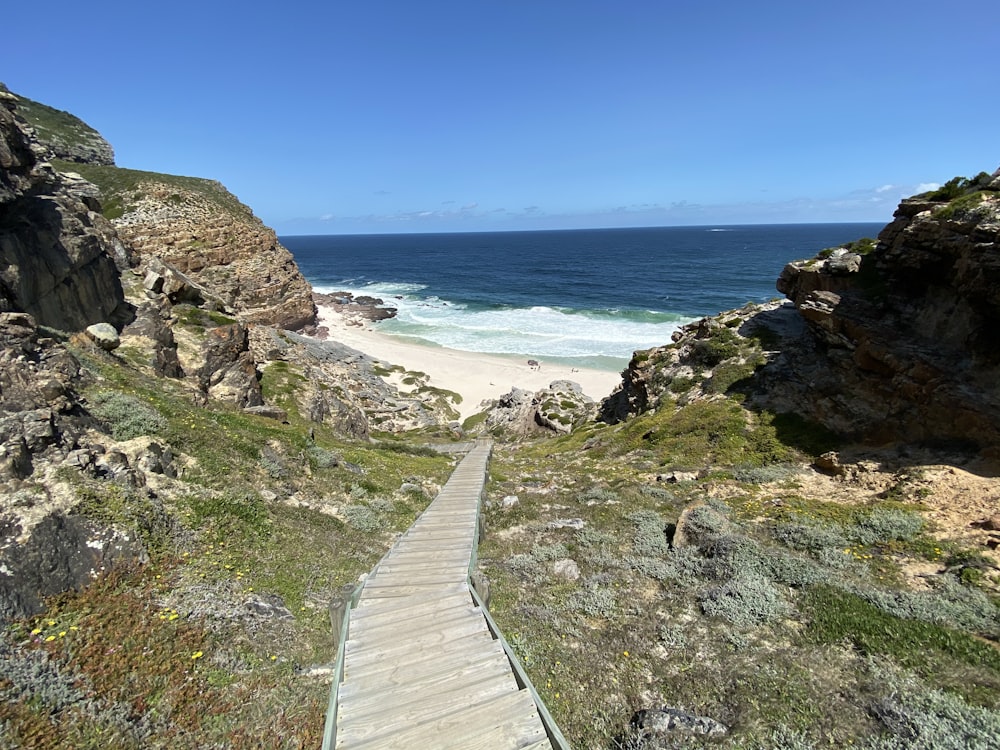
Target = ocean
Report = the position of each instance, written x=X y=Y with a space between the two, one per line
x=586 y=297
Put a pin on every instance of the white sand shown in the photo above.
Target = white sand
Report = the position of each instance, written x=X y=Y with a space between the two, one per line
x=476 y=377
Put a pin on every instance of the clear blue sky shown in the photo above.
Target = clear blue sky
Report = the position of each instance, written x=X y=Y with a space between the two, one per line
x=393 y=116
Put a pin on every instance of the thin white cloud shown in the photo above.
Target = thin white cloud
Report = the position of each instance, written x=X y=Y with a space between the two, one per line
x=926 y=187
x=884 y=188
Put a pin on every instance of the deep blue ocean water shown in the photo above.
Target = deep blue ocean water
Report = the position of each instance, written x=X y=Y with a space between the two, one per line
x=588 y=297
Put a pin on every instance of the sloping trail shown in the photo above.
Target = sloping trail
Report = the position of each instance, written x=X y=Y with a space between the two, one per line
x=423 y=665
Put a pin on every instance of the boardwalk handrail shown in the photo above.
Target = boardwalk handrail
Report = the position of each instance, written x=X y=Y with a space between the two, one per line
x=330 y=725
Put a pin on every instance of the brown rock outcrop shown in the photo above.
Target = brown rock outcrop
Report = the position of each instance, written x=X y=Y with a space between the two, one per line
x=901 y=343
x=219 y=244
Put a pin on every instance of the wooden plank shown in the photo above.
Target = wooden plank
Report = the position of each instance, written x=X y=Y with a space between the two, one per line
x=379 y=676
x=412 y=578
x=415 y=563
x=404 y=591
x=498 y=723
x=361 y=649
x=370 y=666
x=421 y=700
x=413 y=625
x=400 y=607
x=426 y=682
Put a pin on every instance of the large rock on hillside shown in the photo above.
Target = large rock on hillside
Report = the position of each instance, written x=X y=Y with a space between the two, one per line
x=38 y=402
x=558 y=408
x=907 y=346
x=205 y=233
x=894 y=340
x=57 y=253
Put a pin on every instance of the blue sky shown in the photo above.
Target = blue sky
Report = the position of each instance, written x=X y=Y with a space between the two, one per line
x=392 y=116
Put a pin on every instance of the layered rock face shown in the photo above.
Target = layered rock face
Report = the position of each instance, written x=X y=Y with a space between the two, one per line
x=219 y=244
x=899 y=343
x=56 y=251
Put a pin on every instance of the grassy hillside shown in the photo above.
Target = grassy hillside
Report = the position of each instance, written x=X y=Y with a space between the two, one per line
x=223 y=637
x=801 y=610
x=121 y=188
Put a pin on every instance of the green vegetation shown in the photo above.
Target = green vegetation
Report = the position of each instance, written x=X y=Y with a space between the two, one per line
x=957 y=187
x=120 y=188
x=199 y=318
x=965 y=206
x=787 y=617
x=126 y=416
x=863 y=246
x=208 y=643
x=55 y=125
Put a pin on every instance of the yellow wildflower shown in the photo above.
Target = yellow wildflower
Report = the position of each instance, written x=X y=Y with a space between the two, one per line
x=197 y=654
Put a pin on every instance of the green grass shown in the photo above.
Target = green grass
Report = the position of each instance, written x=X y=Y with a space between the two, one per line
x=119 y=188
x=834 y=616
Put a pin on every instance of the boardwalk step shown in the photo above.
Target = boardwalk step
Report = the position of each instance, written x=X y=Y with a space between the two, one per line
x=507 y=721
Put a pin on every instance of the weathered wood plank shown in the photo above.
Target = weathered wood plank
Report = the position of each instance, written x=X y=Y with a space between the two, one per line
x=422 y=699
x=399 y=609
x=461 y=667
x=362 y=652
x=502 y=722
x=418 y=634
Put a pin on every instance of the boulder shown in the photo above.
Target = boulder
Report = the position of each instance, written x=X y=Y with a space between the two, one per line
x=657 y=723
x=104 y=335
x=229 y=372
x=268 y=412
x=62 y=552
x=566 y=568
x=151 y=333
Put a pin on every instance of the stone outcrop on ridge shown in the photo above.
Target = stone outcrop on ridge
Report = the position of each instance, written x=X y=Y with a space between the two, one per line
x=202 y=231
x=898 y=342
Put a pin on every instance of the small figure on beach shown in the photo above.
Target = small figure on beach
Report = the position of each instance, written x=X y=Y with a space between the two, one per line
x=534 y=364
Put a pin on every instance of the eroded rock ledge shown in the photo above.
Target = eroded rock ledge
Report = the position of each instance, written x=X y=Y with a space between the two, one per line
x=898 y=342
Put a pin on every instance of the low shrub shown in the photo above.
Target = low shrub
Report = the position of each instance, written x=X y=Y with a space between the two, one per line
x=594 y=599
x=126 y=416
x=915 y=716
x=747 y=600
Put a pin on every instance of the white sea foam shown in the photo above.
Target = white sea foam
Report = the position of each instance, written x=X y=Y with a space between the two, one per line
x=602 y=338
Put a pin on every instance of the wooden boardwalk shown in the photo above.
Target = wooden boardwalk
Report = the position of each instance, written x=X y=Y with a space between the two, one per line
x=421 y=667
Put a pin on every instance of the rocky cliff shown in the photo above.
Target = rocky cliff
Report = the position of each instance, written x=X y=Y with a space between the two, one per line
x=887 y=340
x=62 y=135
x=196 y=289
x=60 y=259
x=199 y=228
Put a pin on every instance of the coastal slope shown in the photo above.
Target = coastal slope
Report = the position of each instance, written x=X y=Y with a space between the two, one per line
x=893 y=339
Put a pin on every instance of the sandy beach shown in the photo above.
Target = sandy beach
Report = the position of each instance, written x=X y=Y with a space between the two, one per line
x=476 y=377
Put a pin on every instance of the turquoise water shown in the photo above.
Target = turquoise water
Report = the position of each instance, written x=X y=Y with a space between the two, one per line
x=585 y=297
